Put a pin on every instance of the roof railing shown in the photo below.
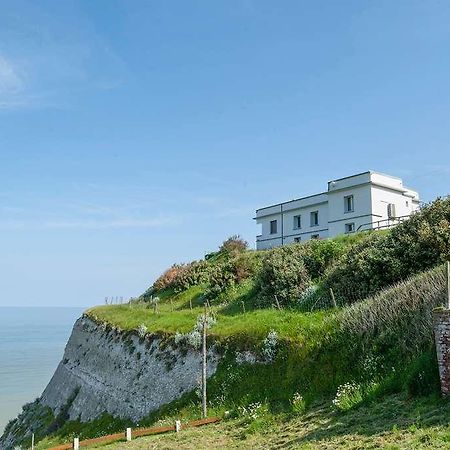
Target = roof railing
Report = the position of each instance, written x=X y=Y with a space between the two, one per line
x=385 y=223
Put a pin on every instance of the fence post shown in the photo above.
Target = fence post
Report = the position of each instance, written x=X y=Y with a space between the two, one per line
x=76 y=443
x=32 y=441
x=128 y=434
x=177 y=426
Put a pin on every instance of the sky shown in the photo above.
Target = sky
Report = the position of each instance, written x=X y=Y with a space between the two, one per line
x=136 y=134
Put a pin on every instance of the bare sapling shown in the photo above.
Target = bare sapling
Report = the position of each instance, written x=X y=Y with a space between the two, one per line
x=204 y=355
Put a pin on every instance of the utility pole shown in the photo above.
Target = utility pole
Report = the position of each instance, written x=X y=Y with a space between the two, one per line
x=204 y=365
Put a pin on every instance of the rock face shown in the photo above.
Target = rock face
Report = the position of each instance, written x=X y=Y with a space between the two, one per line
x=105 y=370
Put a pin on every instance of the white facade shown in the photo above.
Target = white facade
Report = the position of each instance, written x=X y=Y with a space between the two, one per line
x=359 y=202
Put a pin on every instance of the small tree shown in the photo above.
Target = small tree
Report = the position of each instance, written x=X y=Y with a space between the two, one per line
x=234 y=244
x=204 y=322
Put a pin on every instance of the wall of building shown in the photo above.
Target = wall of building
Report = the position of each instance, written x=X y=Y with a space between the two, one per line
x=371 y=191
x=382 y=196
x=306 y=230
x=361 y=213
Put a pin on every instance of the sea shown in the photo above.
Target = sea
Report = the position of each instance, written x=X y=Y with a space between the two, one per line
x=32 y=342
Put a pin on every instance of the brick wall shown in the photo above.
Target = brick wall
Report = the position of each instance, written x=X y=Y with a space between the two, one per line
x=442 y=337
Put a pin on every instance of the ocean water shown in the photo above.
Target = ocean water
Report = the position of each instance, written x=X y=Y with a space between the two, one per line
x=32 y=342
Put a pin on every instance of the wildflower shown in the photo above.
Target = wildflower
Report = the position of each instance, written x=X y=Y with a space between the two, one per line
x=269 y=346
x=142 y=330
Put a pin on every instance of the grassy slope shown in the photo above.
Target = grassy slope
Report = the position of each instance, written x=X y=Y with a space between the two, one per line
x=395 y=422
x=316 y=352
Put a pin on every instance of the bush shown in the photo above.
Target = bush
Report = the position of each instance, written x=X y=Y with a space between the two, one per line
x=418 y=244
x=167 y=278
x=283 y=275
x=180 y=277
x=234 y=244
x=319 y=254
x=423 y=375
x=230 y=271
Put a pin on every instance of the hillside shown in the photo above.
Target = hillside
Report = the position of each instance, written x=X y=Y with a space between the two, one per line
x=310 y=334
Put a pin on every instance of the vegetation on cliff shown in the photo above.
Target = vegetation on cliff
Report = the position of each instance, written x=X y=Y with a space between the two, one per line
x=343 y=322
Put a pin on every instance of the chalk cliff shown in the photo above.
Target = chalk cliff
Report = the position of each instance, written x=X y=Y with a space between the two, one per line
x=120 y=373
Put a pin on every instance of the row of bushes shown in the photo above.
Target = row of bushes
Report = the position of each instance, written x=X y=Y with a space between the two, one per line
x=326 y=272
x=346 y=270
x=288 y=271
x=280 y=274
x=221 y=270
x=383 y=259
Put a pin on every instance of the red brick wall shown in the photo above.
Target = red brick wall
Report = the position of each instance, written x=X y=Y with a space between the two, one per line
x=442 y=337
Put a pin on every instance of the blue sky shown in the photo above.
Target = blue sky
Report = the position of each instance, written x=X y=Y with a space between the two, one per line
x=135 y=134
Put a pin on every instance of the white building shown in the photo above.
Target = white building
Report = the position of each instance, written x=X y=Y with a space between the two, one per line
x=368 y=200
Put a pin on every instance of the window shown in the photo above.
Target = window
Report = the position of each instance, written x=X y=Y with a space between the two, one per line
x=297 y=222
x=315 y=236
x=350 y=227
x=391 y=211
x=348 y=203
x=297 y=239
x=273 y=227
x=314 y=218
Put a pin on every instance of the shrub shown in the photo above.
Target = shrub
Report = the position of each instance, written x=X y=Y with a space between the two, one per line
x=167 y=278
x=423 y=376
x=230 y=271
x=283 y=275
x=318 y=254
x=418 y=244
x=221 y=277
x=363 y=270
x=191 y=274
x=234 y=244
x=180 y=277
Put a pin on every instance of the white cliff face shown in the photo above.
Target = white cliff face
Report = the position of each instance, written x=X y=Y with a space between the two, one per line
x=108 y=371
x=121 y=374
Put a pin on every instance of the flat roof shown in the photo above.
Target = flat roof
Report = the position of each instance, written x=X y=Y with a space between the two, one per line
x=316 y=195
x=326 y=192
x=364 y=173
x=290 y=201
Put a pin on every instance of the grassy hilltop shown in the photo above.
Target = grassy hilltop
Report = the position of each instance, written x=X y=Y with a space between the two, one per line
x=312 y=335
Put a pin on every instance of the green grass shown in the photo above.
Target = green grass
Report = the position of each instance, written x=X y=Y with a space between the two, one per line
x=395 y=422
x=316 y=352
x=174 y=315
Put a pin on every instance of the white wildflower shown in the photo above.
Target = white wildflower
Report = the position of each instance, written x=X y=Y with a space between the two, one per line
x=270 y=346
x=142 y=330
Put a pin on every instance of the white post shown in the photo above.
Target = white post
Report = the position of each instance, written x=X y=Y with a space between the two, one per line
x=128 y=434
x=76 y=443
x=32 y=441
x=177 y=426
